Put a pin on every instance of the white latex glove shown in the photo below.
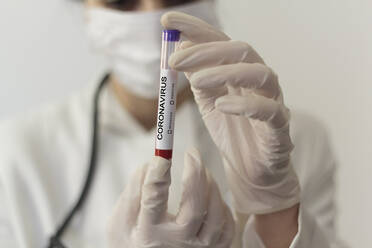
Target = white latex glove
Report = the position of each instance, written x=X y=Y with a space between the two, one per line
x=140 y=218
x=241 y=103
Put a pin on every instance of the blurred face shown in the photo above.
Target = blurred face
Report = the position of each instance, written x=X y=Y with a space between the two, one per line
x=129 y=36
x=137 y=5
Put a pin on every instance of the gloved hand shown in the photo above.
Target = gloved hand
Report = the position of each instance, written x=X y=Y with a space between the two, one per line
x=140 y=218
x=241 y=103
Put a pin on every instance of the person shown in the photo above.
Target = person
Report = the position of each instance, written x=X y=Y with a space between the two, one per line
x=248 y=182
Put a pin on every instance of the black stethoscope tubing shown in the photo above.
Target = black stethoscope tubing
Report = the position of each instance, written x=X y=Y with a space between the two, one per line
x=55 y=239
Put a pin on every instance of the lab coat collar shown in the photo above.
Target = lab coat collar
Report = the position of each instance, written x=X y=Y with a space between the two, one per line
x=115 y=118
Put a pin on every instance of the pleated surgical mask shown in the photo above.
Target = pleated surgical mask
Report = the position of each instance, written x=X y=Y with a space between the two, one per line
x=131 y=40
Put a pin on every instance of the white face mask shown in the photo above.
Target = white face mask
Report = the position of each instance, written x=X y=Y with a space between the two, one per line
x=132 y=42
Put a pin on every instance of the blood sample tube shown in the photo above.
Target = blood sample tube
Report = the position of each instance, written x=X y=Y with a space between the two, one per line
x=167 y=97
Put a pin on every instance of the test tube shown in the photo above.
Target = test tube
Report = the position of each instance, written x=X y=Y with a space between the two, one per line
x=167 y=96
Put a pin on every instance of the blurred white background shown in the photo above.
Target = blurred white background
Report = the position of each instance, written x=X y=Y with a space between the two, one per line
x=43 y=53
x=322 y=50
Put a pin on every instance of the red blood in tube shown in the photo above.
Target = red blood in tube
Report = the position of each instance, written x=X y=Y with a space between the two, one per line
x=167 y=154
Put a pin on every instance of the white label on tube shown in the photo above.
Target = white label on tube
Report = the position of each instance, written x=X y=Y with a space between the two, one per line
x=166 y=110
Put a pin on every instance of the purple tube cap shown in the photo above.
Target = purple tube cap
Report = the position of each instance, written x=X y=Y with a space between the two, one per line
x=171 y=35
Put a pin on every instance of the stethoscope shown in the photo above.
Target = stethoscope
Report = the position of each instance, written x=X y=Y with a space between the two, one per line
x=55 y=239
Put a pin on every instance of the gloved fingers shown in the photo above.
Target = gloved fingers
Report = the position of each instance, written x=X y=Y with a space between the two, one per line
x=155 y=188
x=215 y=219
x=192 y=28
x=206 y=98
x=227 y=235
x=193 y=206
x=256 y=107
x=185 y=44
x=256 y=77
x=212 y=54
x=127 y=208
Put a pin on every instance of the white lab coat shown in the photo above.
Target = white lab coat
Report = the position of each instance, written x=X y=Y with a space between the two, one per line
x=44 y=159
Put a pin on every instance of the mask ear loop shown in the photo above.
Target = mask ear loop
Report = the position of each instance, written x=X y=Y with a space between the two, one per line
x=54 y=240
